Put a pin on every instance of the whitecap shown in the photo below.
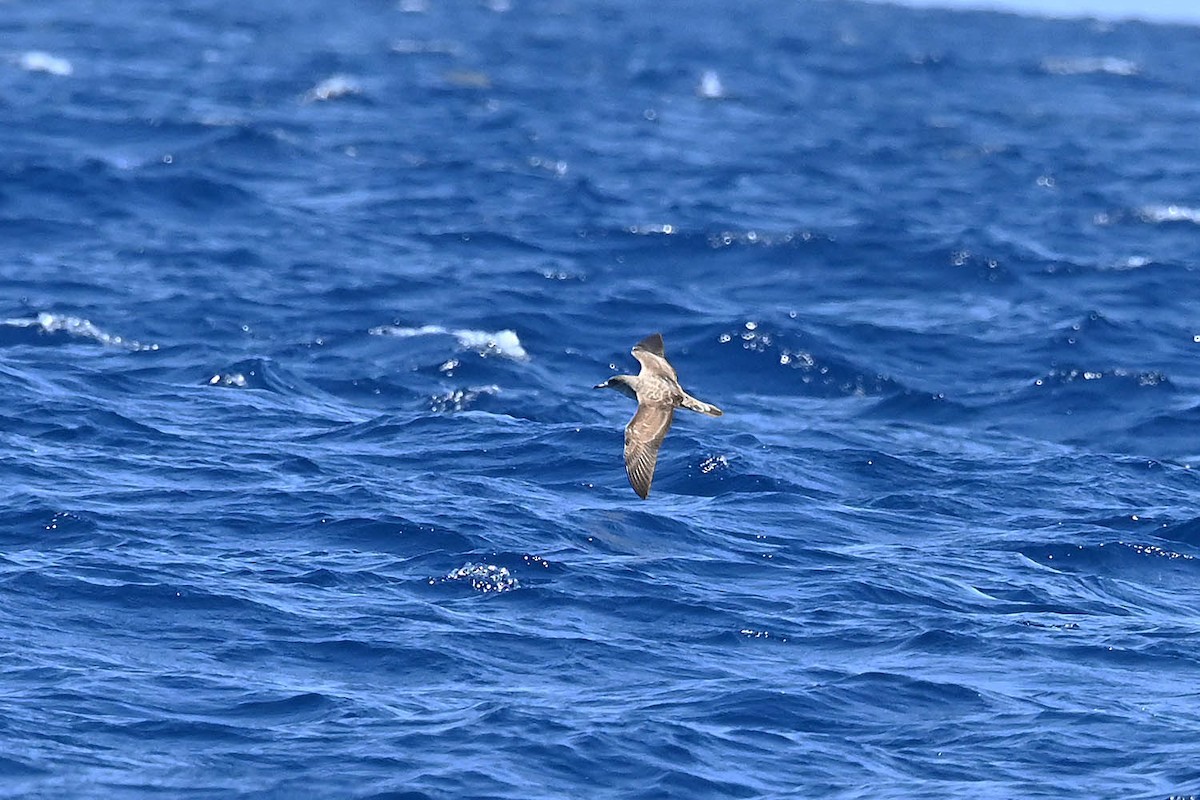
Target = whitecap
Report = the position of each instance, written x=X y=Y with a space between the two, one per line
x=76 y=326
x=334 y=87
x=37 y=61
x=1106 y=65
x=485 y=578
x=710 y=86
x=500 y=343
x=1170 y=213
x=232 y=379
x=1132 y=262
x=460 y=399
x=754 y=633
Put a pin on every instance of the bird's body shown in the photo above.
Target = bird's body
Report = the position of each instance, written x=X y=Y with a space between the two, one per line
x=658 y=393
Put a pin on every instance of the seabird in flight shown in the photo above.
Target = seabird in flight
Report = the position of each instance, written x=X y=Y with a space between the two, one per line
x=658 y=393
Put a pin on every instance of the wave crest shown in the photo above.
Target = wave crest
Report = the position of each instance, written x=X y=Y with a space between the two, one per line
x=504 y=343
x=47 y=324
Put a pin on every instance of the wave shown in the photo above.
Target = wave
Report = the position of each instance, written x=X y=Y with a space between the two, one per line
x=360 y=526
x=38 y=61
x=461 y=399
x=503 y=343
x=49 y=328
x=1115 y=376
x=1105 y=65
x=334 y=87
x=769 y=359
x=256 y=373
x=1169 y=213
x=483 y=578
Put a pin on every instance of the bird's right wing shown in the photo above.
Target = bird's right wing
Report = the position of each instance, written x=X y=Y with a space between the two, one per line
x=643 y=436
x=650 y=354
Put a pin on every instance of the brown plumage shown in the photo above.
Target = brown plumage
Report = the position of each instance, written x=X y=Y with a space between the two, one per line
x=658 y=393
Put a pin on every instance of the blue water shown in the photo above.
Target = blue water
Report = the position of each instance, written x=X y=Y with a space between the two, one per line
x=307 y=492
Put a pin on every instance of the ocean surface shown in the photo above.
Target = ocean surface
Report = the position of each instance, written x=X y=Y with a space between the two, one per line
x=307 y=492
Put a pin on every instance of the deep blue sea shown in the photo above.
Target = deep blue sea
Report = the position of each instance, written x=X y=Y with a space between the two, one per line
x=307 y=493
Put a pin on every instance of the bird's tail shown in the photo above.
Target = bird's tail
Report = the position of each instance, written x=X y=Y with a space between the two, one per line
x=693 y=404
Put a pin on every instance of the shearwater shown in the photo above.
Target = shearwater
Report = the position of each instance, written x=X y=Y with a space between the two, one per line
x=658 y=393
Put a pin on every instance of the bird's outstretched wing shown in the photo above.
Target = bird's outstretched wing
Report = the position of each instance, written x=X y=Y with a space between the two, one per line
x=652 y=343
x=649 y=353
x=643 y=436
